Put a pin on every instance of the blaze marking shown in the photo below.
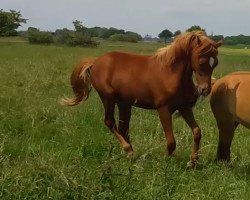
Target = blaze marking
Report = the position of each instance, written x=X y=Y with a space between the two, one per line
x=211 y=61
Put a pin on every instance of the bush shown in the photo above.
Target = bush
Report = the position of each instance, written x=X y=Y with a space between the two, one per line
x=80 y=39
x=73 y=38
x=61 y=36
x=39 y=37
x=133 y=35
x=111 y=31
x=128 y=37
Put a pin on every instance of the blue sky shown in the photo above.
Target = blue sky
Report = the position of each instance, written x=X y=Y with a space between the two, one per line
x=227 y=17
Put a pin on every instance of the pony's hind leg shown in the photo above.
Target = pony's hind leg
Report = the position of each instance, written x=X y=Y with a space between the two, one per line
x=123 y=128
x=226 y=134
x=109 y=106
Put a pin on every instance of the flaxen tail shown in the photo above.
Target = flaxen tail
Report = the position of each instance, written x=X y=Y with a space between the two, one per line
x=80 y=82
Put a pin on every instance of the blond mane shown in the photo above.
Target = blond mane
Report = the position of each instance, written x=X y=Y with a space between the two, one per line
x=197 y=42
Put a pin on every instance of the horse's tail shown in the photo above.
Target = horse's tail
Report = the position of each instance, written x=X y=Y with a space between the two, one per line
x=80 y=83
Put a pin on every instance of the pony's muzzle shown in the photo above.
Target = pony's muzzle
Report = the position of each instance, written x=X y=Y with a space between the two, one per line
x=204 y=89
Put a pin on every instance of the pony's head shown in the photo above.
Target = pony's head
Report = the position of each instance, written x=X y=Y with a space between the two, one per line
x=195 y=50
x=203 y=60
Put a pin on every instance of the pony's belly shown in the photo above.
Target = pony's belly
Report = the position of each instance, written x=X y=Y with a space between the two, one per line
x=136 y=101
x=243 y=112
x=144 y=105
x=245 y=122
x=242 y=103
x=139 y=103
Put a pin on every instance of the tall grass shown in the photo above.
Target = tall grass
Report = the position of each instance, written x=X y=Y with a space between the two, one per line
x=51 y=152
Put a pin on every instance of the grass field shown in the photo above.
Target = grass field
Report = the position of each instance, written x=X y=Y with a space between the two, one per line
x=51 y=152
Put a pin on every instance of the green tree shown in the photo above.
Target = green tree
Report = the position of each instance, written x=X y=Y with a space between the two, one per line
x=137 y=37
x=33 y=29
x=95 y=31
x=112 y=31
x=240 y=39
x=79 y=26
x=9 y=22
x=165 y=34
x=216 y=38
x=195 y=28
x=178 y=32
x=127 y=37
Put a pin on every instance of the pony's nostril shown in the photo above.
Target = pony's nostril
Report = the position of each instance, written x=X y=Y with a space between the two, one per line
x=204 y=91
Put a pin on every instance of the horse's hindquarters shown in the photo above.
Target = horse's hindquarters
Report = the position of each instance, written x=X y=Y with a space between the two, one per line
x=231 y=94
x=230 y=105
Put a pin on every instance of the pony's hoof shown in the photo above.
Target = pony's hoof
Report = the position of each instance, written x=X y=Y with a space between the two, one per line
x=192 y=164
x=170 y=148
x=225 y=159
x=170 y=155
x=130 y=154
x=129 y=151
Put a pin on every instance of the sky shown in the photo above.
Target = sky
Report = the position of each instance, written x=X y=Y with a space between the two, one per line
x=226 y=17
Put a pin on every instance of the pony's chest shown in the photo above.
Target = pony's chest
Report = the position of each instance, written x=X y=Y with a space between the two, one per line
x=185 y=99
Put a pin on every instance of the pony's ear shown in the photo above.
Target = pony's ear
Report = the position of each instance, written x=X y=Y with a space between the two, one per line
x=221 y=42
x=194 y=40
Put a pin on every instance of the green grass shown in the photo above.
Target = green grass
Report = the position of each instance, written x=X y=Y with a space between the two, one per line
x=51 y=152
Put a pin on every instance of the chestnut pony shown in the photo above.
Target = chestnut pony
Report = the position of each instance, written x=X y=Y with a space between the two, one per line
x=162 y=81
x=230 y=105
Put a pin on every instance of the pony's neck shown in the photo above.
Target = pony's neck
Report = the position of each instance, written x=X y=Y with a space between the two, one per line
x=175 y=59
x=171 y=57
x=186 y=74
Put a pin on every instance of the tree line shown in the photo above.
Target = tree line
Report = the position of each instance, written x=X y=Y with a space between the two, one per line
x=80 y=36
x=83 y=36
x=167 y=36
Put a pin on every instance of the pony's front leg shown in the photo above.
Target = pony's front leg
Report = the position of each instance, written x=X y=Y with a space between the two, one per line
x=166 y=121
x=188 y=116
x=123 y=128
